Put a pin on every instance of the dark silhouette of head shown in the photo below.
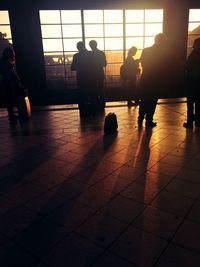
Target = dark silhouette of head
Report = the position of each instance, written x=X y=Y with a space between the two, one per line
x=93 y=44
x=80 y=46
x=8 y=54
x=196 y=44
x=132 y=51
x=2 y=35
x=160 y=39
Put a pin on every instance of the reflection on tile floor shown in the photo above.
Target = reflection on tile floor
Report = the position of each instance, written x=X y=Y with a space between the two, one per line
x=72 y=196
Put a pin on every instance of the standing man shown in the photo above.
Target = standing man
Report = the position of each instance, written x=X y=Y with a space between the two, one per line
x=99 y=62
x=193 y=86
x=82 y=64
x=154 y=61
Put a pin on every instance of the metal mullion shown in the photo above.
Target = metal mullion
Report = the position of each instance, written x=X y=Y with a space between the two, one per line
x=144 y=30
x=65 y=73
x=82 y=26
x=124 y=35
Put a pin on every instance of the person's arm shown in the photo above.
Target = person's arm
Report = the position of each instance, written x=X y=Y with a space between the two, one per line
x=74 y=65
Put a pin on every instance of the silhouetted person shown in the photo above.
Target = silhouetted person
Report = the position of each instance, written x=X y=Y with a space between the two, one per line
x=11 y=81
x=82 y=64
x=99 y=62
x=193 y=86
x=153 y=60
x=3 y=43
x=131 y=69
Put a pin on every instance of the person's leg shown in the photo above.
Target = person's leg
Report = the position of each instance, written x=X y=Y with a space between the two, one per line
x=142 y=110
x=151 y=107
x=190 y=113
x=197 y=111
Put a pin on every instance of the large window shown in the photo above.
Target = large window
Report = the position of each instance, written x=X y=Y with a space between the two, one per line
x=193 y=27
x=5 y=25
x=114 y=30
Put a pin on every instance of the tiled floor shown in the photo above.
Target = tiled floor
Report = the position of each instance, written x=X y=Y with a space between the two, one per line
x=71 y=196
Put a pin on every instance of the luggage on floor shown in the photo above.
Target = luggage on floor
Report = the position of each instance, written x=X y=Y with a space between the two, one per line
x=110 y=124
x=24 y=108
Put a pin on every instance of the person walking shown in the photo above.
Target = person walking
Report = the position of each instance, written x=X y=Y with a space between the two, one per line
x=154 y=61
x=193 y=86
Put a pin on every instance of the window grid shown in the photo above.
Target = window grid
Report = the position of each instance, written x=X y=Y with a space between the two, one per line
x=195 y=31
x=5 y=23
x=115 y=51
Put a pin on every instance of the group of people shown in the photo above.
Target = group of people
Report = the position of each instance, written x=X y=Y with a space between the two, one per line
x=89 y=67
x=157 y=68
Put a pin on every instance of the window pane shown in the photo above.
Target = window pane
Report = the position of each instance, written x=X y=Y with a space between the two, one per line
x=49 y=16
x=191 y=39
x=134 y=41
x=52 y=45
x=148 y=41
x=113 y=30
x=194 y=28
x=70 y=44
x=53 y=58
x=134 y=16
x=6 y=29
x=113 y=69
x=72 y=31
x=94 y=30
x=114 y=56
x=155 y=15
x=51 y=31
x=56 y=71
x=93 y=16
x=153 y=29
x=4 y=17
x=71 y=16
x=194 y=15
x=113 y=16
x=134 y=29
x=100 y=43
x=113 y=43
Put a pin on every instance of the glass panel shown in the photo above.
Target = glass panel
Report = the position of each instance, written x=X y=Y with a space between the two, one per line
x=113 y=16
x=148 y=41
x=194 y=28
x=114 y=56
x=134 y=16
x=94 y=30
x=68 y=57
x=113 y=30
x=53 y=58
x=134 y=41
x=52 y=45
x=153 y=29
x=134 y=29
x=6 y=30
x=154 y=15
x=191 y=39
x=100 y=42
x=194 y=15
x=49 y=16
x=93 y=16
x=51 y=31
x=4 y=17
x=71 y=16
x=56 y=71
x=113 y=43
x=72 y=31
x=113 y=69
x=70 y=44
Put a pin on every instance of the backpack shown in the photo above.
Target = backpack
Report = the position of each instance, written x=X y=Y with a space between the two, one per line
x=110 y=124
